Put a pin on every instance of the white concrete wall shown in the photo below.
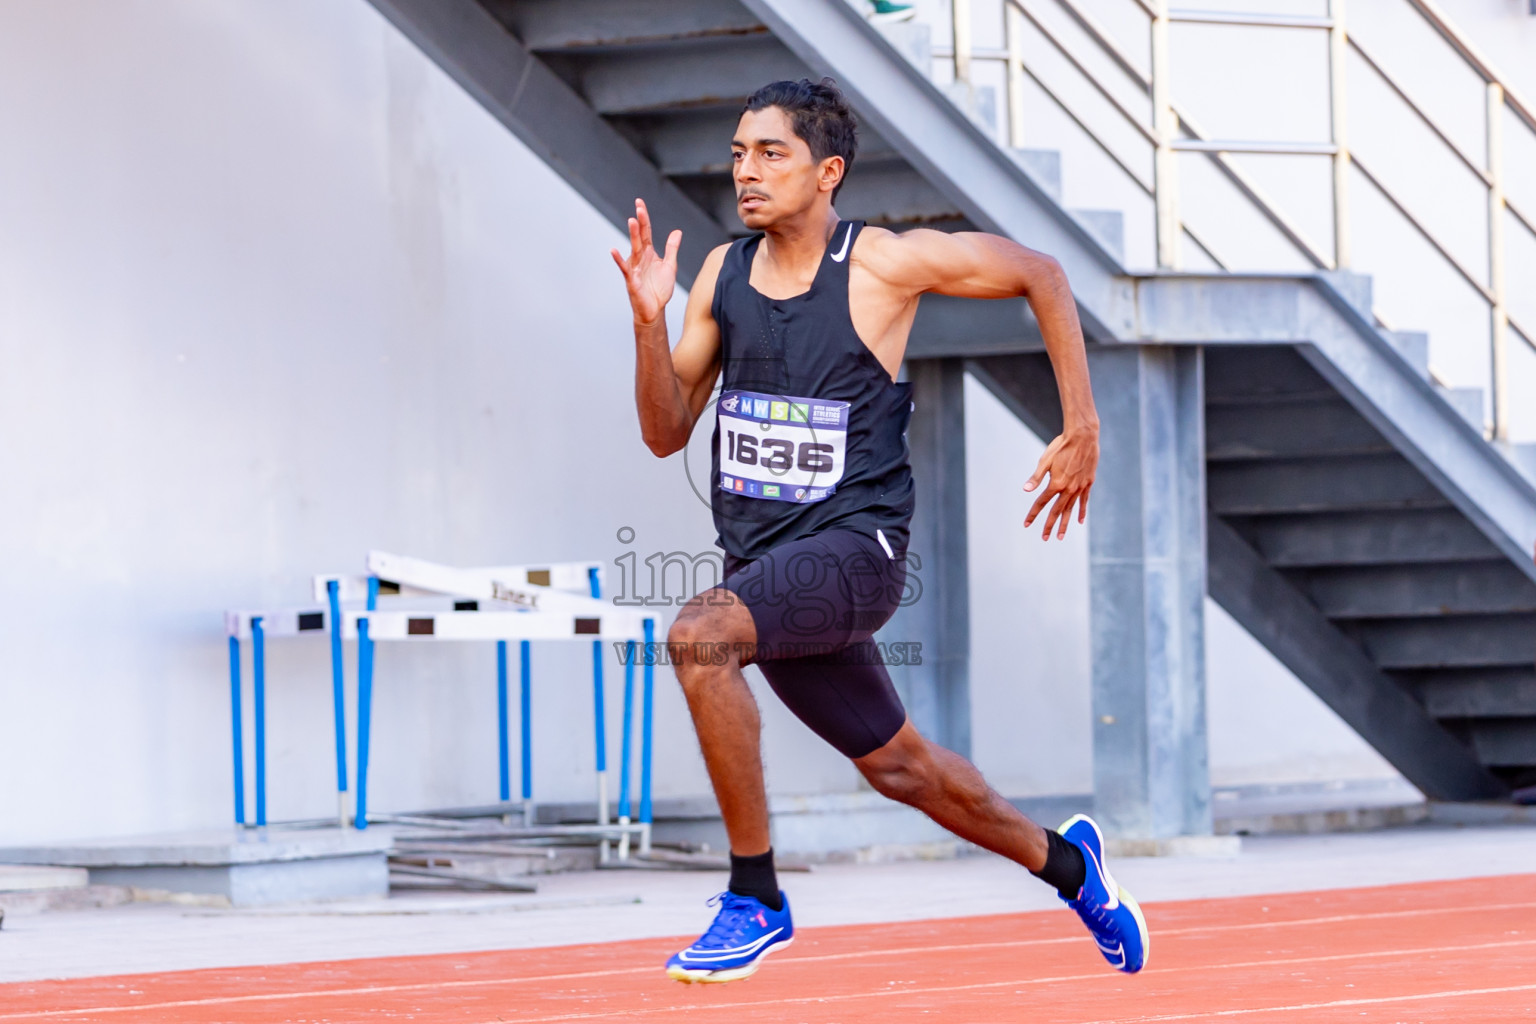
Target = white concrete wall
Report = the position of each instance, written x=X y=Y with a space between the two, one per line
x=274 y=291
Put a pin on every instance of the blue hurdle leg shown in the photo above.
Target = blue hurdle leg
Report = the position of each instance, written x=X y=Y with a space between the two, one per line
x=646 y=718
x=339 y=710
x=527 y=730
x=235 y=723
x=259 y=677
x=600 y=737
x=364 y=718
x=364 y=703
x=626 y=755
x=501 y=720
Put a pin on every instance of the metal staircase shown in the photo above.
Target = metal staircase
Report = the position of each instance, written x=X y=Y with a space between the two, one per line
x=1358 y=525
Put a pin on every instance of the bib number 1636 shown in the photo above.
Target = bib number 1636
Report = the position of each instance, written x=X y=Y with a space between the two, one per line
x=786 y=449
x=779 y=455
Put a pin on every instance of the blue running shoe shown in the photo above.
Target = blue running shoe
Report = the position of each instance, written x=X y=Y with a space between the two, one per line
x=1111 y=915
x=744 y=932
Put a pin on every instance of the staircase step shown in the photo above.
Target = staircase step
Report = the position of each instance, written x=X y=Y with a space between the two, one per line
x=1355 y=287
x=1504 y=742
x=1475 y=693
x=1367 y=538
x=1108 y=226
x=1523 y=455
x=979 y=102
x=1044 y=165
x=1460 y=641
x=1414 y=345
x=588 y=24
x=1468 y=402
x=1395 y=591
x=912 y=39
x=1248 y=376
x=1289 y=429
x=694 y=74
x=1318 y=485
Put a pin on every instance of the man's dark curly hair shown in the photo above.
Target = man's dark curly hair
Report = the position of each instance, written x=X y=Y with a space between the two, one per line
x=820 y=115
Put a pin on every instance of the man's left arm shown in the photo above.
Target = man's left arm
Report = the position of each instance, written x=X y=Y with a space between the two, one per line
x=973 y=265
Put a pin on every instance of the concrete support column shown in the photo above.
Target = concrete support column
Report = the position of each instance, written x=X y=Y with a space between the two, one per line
x=1147 y=569
x=937 y=690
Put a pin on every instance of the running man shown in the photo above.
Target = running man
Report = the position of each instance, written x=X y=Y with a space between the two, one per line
x=812 y=496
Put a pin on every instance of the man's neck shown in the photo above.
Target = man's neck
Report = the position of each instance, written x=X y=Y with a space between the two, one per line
x=797 y=245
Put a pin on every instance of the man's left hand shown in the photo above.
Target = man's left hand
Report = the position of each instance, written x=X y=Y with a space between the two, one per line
x=1070 y=461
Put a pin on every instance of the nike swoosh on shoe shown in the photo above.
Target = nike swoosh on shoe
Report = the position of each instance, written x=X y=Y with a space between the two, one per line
x=1114 y=892
x=723 y=954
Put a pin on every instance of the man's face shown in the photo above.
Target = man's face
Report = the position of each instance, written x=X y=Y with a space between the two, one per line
x=776 y=176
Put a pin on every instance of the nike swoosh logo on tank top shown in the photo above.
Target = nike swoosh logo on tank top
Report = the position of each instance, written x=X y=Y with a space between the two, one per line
x=838 y=257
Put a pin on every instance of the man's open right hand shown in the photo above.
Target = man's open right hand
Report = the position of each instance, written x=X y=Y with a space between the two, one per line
x=650 y=278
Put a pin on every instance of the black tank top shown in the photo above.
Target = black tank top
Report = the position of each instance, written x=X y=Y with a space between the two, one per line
x=810 y=430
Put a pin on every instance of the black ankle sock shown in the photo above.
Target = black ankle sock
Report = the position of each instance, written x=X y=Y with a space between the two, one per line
x=1064 y=867
x=754 y=876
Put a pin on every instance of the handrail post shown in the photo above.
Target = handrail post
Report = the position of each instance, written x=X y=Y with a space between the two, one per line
x=1165 y=125
x=1499 y=311
x=960 y=22
x=1012 y=30
x=1338 y=47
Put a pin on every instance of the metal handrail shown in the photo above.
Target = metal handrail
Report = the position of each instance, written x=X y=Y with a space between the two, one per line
x=1172 y=132
x=1253 y=146
x=1218 y=157
x=1425 y=119
x=1115 y=158
x=1111 y=98
x=1425 y=233
x=1093 y=136
x=1470 y=54
x=1264 y=20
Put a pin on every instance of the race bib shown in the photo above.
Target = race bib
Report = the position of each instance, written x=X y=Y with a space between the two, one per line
x=781 y=448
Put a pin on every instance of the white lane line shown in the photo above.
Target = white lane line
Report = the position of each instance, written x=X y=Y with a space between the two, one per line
x=1096 y=976
x=1373 y=1001
x=815 y=958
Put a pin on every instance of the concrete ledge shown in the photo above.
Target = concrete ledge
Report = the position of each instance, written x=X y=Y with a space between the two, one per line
x=1482 y=814
x=845 y=823
x=1214 y=847
x=31 y=878
x=246 y=867
x=215 y=847
x=1353 y=819
x=88 y=897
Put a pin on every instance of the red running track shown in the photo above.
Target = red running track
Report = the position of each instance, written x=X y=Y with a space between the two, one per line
x=1462 y=951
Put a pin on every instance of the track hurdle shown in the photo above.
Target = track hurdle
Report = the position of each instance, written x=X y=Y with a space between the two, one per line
x=541 y=613
x=556 y=587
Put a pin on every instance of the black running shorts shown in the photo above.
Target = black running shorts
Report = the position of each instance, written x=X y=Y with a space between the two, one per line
x=816 y=603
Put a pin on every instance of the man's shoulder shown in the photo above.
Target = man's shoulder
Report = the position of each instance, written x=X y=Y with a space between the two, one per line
x=884 y=246
x=874 y=240
x=898 y=257
x=717 y=256
x=713 y=262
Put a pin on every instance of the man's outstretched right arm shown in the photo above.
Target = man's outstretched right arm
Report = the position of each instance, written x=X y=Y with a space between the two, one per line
x=672 y=386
